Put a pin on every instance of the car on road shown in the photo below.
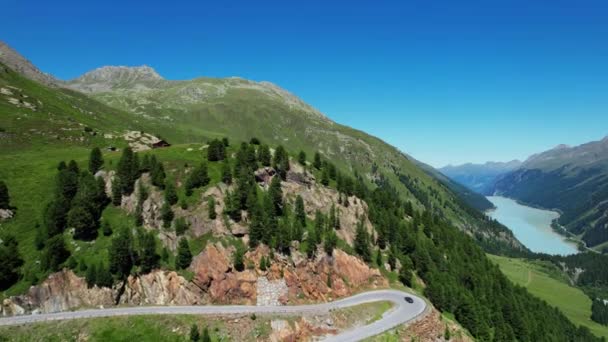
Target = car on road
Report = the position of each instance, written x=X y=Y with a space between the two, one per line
x=409 y=300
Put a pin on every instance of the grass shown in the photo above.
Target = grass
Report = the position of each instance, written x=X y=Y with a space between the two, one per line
x=546 y=282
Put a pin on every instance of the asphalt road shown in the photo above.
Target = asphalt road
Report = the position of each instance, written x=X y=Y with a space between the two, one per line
x=402 y=312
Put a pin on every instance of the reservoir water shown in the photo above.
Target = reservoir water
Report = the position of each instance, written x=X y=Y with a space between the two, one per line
x=531 y=226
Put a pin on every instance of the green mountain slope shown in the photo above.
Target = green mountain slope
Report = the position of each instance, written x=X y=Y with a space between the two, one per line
x=571 y=179
x=207 y=108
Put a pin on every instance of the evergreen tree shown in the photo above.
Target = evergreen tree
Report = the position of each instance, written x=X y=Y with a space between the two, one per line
x=325 y=177
x=233 y=205
x=166 y=214
x=104 y=277
x=194 y=334
x=184 y=256
x=264 y=156
x=599 y=312
x=254 y=141
x=331 y=240
x=56 y=253
x=67 y=181
x=199 y=177
x=216 y=150
x=149 y=258
x=121 y=254
x=157 y=174
x=95 y=160
x=226 y=172
x=116 y=193
x=379 y=259
x=127 y=171
x=10 y=261
x=281 y=162
x=84 y=224
x=170 y=193
x=297 y=230
x=225 y=141
x=302 y=158
x=362 y=242
x=41 y=237
x=206 y=337
x=283 y=236
x=91 y=276
x=276 y=194
x=211 y=208
x=4 y=196
x=55 y=215
x=238 y=262
x=300 y=213
x=146 y=164
x=317 y=161
x=181 y=226
x=256 y=225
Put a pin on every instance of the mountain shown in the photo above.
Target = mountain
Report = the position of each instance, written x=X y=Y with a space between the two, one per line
x=469 y=196
x=17 y=62
x=571 y=179
x=232 y=212
x=479 y=177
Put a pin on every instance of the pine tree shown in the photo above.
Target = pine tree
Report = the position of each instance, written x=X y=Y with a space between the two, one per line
x=216 y=150
x=170 y=193
x=379 y=259
x=95 y=160
x=56 y=253
x=121 y=254
x=184 y=256
x=146 y=164
x=149 y=258
x=256 y=225
x=264 y=156
x=194 y=334
x=91 y=275
x=226 y=172
x=55 y=215
x=302 y=158
x=206 y=337
x=238 y=262
x=211 y=208
x=362 y=242
x=127 y=171
x=166 y=214
x=325 y=177
x=116 y=193
x=225 y=141
x=10 y=261
x=84 y=224
x=276 y=194
x=198 y=177
x=157 y=174
x=281 y=162
x=300 y=213
x=331 y=240
x=104 y=277
x=181 y=226
x=4 y=196
x=317 y=161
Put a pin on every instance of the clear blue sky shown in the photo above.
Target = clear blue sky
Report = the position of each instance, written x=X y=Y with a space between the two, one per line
x=446 y=81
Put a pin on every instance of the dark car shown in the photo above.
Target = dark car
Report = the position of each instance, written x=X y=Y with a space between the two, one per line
x=409 y=300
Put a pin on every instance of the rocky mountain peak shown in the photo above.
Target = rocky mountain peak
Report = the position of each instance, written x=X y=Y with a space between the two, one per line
x=110 y=77
x=20 y=64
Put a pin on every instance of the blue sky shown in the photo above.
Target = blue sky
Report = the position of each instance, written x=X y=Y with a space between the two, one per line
x=446 y=81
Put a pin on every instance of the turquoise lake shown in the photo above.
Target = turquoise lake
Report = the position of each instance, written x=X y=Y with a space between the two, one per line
x=531 y=226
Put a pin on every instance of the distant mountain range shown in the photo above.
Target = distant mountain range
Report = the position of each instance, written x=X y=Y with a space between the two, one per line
x=479 y=177
x=573 y=180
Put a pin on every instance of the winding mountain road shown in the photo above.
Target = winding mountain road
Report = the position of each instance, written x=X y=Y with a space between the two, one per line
x=401 y=312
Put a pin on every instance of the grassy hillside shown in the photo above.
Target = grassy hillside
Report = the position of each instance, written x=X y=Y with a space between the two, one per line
x=547 y=282
x=202 y=109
